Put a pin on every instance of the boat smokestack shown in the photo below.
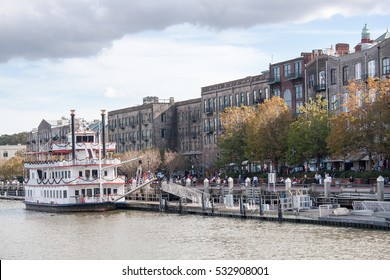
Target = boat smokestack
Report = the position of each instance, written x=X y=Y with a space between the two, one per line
x=73 y=135
x=104 y=132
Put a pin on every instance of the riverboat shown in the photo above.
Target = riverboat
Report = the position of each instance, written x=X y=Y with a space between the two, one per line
x=74 y=174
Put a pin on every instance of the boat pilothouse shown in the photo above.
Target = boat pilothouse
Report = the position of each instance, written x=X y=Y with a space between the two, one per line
x=77 y=173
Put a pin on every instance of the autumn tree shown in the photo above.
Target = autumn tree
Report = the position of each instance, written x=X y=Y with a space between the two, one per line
x=232 y=142
x=267 y=131
x=12 y=168
x=307 y=135
x=363 y=127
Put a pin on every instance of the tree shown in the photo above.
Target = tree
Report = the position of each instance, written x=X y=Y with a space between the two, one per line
x=151 y=160
x=363 y=128
x=232 y=142
x=12 y=168
x=307 y=135
x=173 y=161
x=267 y=131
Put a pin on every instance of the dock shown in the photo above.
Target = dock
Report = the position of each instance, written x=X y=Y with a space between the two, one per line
x=311 y=216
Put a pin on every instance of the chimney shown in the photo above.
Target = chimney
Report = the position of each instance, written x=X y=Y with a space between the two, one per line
x=342 y=48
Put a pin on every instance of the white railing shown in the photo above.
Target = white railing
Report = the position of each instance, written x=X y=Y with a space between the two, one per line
x=375 y=206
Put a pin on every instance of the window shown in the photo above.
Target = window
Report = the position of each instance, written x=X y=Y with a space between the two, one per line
x=276 y=72
x=311 y=80
x=333 y=76
x=322 y=79
x=163 y=133
x=371 y=68
x=345 y=75
x=287 y=70
x=298 y=68
x=276 y=92
x=287 y=97
x=358 y=71
x=247 y=98
x=298 y=91
x=163 y=117
x=386 y=66
x=5 y=154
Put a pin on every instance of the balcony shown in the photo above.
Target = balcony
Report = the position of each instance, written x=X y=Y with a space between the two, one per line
x=319 y=87
x=273 y=80
x=295 y=75
x=209 y=111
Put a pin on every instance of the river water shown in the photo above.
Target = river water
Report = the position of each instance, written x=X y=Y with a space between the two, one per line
x=135 y=235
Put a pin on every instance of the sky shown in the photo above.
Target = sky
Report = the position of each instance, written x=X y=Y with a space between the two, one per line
x=89 y=55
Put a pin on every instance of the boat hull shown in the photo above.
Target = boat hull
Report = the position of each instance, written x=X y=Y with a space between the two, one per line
x=73 y=207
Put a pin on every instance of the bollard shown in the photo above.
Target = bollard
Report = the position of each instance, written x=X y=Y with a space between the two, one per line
x=230 y=185
x=380 y=183
x=180 y=207
x=287 y=184
x=261 y=205
x=206 y=185
x=327 y=182
x=280 y=213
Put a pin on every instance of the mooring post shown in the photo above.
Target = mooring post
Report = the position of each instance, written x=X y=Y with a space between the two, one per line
x=261 y=205
x=380 y=184
x=180 y=207
x=280 y=213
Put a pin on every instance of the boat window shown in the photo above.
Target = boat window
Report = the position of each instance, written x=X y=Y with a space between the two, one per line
x=89 y=192
x=80 y=173
x=94 y=173
x=76 y=193
x=39 y=174
x=87 y=173
x=109 y=191
x=96 y=191
x=104 y=191
x=65 y=194
x=68 y=174
x=115 y=191
x=83 y=192
x=105 y=173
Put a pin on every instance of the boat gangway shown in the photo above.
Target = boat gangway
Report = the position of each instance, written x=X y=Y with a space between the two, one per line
x=192 y=194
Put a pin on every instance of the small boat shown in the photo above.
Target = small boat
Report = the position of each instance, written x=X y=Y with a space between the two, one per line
x=74 y=174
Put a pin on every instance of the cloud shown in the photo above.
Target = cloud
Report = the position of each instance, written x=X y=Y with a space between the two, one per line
x=113 y=93
x=81 y=28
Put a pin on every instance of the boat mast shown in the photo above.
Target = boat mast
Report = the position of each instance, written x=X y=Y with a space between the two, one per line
x=101 y=131
x=73 y=136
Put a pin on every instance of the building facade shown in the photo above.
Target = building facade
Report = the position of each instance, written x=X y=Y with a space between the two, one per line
x=328 y=74
x=145 y=126
x=287 y=80
x=9 y=151
x=247 y=91
x=189 y=130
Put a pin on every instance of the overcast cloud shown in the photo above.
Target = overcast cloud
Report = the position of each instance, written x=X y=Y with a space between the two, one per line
x=35 y=29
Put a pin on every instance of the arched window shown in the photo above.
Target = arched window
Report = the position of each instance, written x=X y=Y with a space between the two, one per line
x=287 y=97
